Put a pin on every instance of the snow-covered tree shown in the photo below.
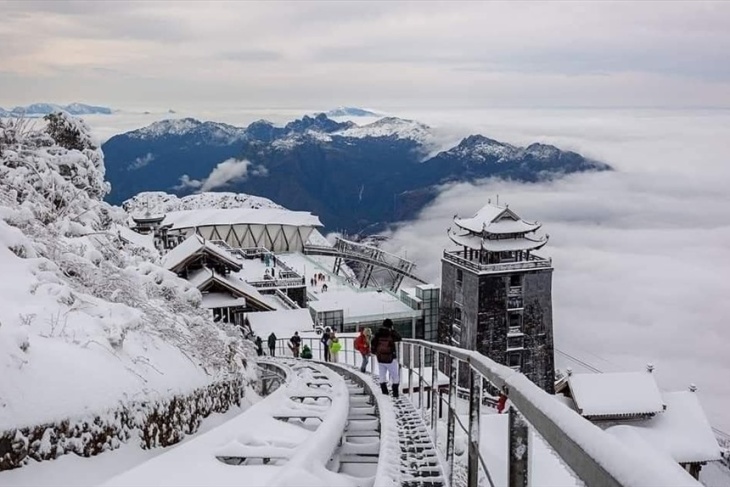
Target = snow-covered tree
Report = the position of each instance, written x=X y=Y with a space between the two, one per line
x=74 y=294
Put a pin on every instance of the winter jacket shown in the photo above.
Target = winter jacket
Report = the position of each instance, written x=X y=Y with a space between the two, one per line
x=362 y=344
x=335 y=345
x=383 y=345
x=272 y=341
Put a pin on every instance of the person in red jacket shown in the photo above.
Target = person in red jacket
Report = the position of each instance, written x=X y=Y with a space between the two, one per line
x=362 y=345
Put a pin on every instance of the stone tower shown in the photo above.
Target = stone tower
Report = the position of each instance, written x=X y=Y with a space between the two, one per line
x=496 y=293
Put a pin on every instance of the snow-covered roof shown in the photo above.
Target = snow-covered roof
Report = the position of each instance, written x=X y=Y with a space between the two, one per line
x=283 y=322
x=202 y=277
x=615 y=394
x=221 y=300
x=497 y=220
x=497 y=244
x=359 y=306
x=134 y=238
x=682 y=431
x=246 y=216
x=193 y=245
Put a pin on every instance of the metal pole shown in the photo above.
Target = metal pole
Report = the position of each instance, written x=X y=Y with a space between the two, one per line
x=410 y=372
x=475 y=411
x=434 y=394
x=518 y=461
x=421 y=382
x=451 y=422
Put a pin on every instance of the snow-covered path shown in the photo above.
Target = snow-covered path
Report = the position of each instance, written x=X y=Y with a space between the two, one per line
x=288 y=438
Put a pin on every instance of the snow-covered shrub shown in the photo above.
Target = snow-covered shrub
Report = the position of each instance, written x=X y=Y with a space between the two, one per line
x=99 y=322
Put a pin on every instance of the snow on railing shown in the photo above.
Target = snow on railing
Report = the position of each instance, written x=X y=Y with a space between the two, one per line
x=596 y=457
x=458 y=258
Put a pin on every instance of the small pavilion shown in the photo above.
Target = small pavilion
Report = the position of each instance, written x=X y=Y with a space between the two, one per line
x=495 y=235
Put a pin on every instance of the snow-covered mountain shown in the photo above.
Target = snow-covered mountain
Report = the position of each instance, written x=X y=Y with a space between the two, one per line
x=391 y=127
x=350 y=112
x=87 y=322
x=217 y=133
x=159 y=202
x=349 y=174
x=40 y=109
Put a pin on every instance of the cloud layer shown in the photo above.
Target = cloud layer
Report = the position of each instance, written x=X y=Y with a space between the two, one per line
x=225 y=173
x=323 y=54
x=640 y=255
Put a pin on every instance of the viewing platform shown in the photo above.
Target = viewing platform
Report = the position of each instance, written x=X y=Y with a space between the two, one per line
x=462 y=258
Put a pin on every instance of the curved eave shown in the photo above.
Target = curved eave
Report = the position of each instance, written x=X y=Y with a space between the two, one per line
x=498 y=227
x=504 y=226
x=497 y=245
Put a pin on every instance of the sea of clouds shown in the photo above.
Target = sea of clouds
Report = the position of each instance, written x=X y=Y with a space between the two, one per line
x=641 y=255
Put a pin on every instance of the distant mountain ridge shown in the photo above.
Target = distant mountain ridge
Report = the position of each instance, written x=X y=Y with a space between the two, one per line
x=350 y=112
x=40 y=109
x=353 y=176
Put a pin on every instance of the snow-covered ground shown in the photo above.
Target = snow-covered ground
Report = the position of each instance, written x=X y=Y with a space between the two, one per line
x=76 y=471
x=88 y=323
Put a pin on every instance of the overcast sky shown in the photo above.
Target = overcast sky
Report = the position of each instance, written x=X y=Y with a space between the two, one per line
x=147 y=55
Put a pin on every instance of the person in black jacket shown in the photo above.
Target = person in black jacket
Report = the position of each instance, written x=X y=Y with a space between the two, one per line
x=384 y=347
x=294 y=343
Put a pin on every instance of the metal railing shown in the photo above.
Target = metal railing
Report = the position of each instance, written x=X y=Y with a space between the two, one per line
x=535 y=262
x=593 y=455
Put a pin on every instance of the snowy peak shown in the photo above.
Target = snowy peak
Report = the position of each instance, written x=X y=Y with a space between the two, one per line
x=159 y=202
x=542 y=151
x=480 y=148
x=395 y=127
x=351 y=112
x=41 y=109
x=318 y=123
x=214 y=131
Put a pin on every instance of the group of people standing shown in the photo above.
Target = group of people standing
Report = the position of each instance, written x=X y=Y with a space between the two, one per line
x=382 y=345
x=271 y=342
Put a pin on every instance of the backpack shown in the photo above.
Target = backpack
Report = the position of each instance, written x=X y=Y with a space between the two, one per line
x=385 y=349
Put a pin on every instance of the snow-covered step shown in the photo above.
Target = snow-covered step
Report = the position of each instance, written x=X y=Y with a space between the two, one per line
x=362 y=410
x=419 y=461
x=371 y=448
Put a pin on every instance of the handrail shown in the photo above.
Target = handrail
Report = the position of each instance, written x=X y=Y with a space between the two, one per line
x=534 y=263
x=595 y=456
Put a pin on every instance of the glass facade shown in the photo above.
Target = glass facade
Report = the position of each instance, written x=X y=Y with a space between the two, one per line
x=430 y=302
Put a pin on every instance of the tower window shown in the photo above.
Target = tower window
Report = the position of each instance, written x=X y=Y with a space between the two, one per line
x=515 y=321
x=459 y=277
x=457 y=314
x=515 y=280
x=514 y=359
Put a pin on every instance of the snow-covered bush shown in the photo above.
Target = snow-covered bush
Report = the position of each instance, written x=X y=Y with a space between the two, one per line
x=87 y=321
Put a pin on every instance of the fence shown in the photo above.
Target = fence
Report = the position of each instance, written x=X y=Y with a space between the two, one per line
x=594 y=456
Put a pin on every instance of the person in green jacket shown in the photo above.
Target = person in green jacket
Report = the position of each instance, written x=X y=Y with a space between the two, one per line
x=335 y=346
x=306 y=352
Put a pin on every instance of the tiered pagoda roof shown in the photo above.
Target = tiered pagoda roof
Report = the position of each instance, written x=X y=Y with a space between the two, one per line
x=497 y=229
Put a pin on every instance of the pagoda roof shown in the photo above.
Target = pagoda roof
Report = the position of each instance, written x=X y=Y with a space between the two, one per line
x=496 y=220
x=477 y=242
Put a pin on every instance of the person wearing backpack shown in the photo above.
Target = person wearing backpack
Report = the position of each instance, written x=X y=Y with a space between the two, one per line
x=326 y=343
x=362 y=345
x=384 y=348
